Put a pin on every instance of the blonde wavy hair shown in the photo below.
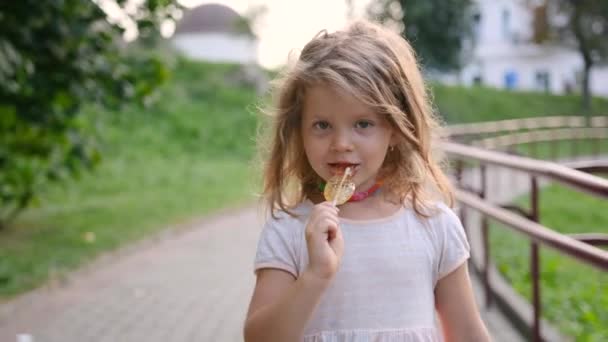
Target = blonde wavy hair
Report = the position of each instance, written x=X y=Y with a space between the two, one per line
x=380 y=69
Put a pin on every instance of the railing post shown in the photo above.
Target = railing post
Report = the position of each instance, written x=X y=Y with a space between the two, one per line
x=460 y=182
x=459 y=167
x=485 y=240
x=535 y=263
x=535 y=291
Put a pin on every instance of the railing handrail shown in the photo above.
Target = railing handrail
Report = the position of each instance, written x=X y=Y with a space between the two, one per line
x=537 y=232
x=554 y=134
x=524 y=123
x=580 y=180
x=588 y=166
x=595 y=239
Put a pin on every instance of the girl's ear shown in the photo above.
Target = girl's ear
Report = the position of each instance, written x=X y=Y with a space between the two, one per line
x=394 y=138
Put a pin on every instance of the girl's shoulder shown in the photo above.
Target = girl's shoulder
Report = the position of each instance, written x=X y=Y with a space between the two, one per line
x=443 y=213
x=296 y=217
x=437 y=215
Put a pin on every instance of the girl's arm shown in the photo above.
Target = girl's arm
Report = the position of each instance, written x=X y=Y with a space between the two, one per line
x=455 y=303
x=281 y=305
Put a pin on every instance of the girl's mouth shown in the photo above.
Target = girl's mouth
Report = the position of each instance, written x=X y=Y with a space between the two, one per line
x=340 y=168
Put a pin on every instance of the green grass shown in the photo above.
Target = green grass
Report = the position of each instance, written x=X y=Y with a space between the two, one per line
x=574 y=296
x=184 y=157
x=463 y=105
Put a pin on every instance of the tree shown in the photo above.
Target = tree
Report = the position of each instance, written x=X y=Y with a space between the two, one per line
x=581 y=24
x=437 y=29
x=56 y=56
x=250 y=21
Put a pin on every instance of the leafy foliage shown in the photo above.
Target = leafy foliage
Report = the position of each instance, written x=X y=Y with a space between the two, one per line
x=165 y=164
x=56 y=56
x=437 y=29
x=581 y=24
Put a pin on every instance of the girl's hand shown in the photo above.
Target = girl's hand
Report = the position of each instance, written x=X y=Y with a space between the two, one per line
x=324 y=241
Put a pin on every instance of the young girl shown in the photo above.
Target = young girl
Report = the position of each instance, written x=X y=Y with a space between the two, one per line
x=354 y=107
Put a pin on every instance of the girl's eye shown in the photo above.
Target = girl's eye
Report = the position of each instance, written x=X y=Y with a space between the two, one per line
x=321 y=125
x=364 y=124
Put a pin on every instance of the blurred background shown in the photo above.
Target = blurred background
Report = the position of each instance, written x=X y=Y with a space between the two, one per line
x=122 y=120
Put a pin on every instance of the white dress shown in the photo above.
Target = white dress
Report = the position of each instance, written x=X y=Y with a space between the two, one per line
x=384 y=288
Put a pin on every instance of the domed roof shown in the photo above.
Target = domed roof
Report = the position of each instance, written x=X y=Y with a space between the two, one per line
x=211 y=18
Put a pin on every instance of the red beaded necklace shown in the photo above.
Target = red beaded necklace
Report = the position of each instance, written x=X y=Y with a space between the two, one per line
x=360 y=195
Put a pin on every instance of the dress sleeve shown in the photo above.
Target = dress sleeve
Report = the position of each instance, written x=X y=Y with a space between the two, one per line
x=454 y=248
x=277 y=247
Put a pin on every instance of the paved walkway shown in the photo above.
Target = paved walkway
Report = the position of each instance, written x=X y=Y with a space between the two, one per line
x=192 y=285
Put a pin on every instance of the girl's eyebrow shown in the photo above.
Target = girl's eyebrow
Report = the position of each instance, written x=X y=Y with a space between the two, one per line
x=318 y=117
x=356 y=116
x=366 y=115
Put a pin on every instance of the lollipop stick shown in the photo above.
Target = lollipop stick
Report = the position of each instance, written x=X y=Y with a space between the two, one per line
x=337 y=194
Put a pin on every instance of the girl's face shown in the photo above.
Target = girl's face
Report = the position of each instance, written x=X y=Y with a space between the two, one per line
x=339 y=131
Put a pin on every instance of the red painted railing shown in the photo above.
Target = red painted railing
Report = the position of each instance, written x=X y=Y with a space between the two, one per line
x=582 y=247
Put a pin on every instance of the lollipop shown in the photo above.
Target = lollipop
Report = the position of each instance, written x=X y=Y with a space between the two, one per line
x=339 y=189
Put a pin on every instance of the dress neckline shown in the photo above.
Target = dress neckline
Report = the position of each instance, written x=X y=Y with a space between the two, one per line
x=363 y=222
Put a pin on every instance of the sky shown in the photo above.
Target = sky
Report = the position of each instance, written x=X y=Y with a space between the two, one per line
x=290 y=24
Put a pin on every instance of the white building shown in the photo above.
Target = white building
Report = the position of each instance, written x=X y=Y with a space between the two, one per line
x=505 y=57
x=215 y=33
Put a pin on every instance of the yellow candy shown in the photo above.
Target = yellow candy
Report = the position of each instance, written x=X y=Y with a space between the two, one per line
x=339 y=188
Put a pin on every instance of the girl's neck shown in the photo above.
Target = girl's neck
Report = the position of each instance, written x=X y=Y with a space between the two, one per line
x=376 y=206
x=373 y=207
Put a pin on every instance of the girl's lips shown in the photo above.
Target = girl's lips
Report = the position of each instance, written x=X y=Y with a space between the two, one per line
x=340 y=168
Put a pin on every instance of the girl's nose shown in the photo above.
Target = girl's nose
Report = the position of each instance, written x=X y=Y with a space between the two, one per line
x=341 y=141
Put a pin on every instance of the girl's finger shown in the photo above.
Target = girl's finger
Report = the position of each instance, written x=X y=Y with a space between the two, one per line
x=328 y=221
x=330 y=206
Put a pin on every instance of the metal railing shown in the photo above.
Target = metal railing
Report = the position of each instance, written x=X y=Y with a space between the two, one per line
x=505 y=135
x=581 y=247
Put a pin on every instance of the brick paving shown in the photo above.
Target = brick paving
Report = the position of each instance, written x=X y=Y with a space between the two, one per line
x=193 y=286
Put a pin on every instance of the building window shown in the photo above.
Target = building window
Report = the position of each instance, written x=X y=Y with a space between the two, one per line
x=543 y=80
x=477 y=80
x=476 y=26
x=510 y=80
x=506 y=23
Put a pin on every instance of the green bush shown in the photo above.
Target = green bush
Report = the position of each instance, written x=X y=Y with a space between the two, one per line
x=56 y=56
x=186 y=155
